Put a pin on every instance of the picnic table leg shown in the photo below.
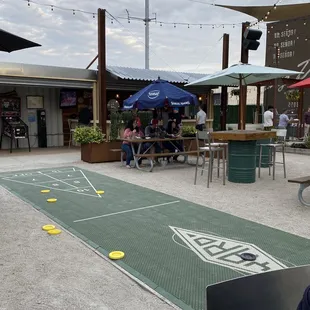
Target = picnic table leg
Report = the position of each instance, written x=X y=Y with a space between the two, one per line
x=136 y=158
x=300 y=197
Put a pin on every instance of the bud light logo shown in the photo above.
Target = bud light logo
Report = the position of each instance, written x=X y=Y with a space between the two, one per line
x=153 y=94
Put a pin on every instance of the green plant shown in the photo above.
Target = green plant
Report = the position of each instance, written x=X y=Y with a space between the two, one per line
x=116 y=122
x=85 y=135
x=292 y=95
x=235 y=92
x=188 y=131
x=307 y=142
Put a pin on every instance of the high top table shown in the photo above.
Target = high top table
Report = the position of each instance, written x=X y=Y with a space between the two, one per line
x=242 y=152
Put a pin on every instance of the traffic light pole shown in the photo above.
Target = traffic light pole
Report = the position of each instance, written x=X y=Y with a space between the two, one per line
x=243 y=89
x=224 y=94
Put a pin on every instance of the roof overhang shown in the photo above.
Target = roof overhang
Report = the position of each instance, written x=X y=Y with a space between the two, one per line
x=282 y=12
x=46 y=76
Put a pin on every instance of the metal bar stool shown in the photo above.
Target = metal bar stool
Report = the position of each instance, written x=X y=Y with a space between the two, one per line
x=281 y=136
x=204 y=136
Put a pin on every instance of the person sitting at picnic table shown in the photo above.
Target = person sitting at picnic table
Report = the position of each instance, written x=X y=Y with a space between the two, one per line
x=151 y=132
x=129 y=133
x=173 y=131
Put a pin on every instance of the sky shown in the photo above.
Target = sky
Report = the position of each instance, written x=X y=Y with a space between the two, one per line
x=71 y=40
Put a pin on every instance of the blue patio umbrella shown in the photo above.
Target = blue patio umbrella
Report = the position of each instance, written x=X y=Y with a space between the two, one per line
x=158 y=95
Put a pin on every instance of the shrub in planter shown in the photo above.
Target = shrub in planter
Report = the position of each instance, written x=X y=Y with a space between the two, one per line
x=188 y=131
x=94 y=147
x=85 y=135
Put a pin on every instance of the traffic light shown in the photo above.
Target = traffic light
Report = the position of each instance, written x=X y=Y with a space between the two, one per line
x=251 y=37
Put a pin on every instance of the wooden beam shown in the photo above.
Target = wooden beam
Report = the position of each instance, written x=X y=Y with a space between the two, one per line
x=102 y=91
x=258 y=93
x=224 y=94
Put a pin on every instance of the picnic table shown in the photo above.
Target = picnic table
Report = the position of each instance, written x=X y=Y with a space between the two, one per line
x=242 y=152
x=139 y=152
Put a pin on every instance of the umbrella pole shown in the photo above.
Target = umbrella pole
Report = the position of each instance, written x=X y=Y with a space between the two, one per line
x=241 y=124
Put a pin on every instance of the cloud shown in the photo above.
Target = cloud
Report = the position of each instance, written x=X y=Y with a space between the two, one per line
x=69 y=39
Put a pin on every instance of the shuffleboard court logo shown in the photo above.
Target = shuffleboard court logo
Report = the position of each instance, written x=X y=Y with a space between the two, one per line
x=226 y=252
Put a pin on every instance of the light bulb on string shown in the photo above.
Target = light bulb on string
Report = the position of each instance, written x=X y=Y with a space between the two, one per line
x=200 y=26
x=175 y=25
x=52 y=8
x=161 y=24
x=112 y=21
x=213 y=27
x=274 y=6
x=188 y=26
x=28 y=3
x=223 y=26
x=73 y=12
x=93 y=15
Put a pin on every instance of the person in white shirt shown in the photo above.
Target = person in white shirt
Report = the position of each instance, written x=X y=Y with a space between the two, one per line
x=268 y=119
x=201 y=119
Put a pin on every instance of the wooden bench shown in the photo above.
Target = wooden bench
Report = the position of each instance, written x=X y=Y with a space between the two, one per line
x=165 y=154
x=303 y=182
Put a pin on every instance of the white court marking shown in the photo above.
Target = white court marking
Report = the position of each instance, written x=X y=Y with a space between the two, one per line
x=126 y=211
x=52 y=174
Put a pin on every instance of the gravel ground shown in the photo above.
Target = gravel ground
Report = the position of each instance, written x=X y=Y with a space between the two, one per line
x=38 y=271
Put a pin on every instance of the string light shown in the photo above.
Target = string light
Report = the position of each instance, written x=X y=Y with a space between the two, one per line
x=52 y=7
x=266 y=15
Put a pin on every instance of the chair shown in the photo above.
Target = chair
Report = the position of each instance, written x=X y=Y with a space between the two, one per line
x=73 y=124
x=281 y=136
x=204 y=136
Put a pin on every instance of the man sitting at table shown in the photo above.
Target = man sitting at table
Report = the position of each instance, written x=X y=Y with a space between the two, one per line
x=150 y=131
x=173 y=131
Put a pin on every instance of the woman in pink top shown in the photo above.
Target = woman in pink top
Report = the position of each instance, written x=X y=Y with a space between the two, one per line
x=129 y=133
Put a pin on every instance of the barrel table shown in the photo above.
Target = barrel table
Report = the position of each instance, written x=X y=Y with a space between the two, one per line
x=242 y=152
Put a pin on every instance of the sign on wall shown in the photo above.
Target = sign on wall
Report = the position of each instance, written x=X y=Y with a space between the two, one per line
x=292 y=37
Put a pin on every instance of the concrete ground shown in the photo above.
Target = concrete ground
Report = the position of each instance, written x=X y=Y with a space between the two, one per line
x=38 y=271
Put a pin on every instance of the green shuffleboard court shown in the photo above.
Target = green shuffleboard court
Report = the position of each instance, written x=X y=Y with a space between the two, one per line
x=174 y=246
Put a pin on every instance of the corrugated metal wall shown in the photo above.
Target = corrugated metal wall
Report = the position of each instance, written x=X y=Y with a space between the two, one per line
x=53 y=115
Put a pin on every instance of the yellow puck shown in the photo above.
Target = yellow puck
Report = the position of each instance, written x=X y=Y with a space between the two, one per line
x=51 y=200
x=48 y=227
x=100 y=192
x=44 y=191
x=116 y=255
x=54 y=232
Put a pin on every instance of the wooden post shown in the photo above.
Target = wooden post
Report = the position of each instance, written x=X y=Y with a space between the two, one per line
x=224 y=94
x=102 y=102
x=95 y=104
x=243 y=89
x=258 y=93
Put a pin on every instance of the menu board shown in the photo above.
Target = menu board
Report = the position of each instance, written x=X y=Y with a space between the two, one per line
x=288 y=45
x=10 y=106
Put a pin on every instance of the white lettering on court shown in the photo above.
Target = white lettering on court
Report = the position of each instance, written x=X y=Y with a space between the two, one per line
x=226 y=252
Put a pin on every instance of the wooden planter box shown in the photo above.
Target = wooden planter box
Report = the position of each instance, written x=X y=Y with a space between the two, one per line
x=100 y=153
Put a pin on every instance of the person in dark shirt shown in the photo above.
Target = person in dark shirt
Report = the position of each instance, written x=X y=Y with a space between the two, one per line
x=85 y=116
x=307 y=122
x=173 y=131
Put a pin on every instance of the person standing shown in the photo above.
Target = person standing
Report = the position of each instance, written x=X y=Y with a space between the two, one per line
x=268 y=119
x=284 y=122
x=307 y=122
x=201 y=118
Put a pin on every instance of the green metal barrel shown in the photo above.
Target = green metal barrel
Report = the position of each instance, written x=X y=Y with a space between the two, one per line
x=265 y=153
x=242 y=161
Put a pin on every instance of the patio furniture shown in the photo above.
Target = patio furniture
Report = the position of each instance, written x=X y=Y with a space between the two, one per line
x=138 y=154
x=304 y=182
x=281 y=135
x=242 y=152
x=73 y=124
x=213 y=149
x=274 y=290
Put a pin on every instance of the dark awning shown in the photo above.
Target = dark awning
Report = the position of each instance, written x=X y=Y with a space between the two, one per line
x=10 y=42
x=282 y=12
